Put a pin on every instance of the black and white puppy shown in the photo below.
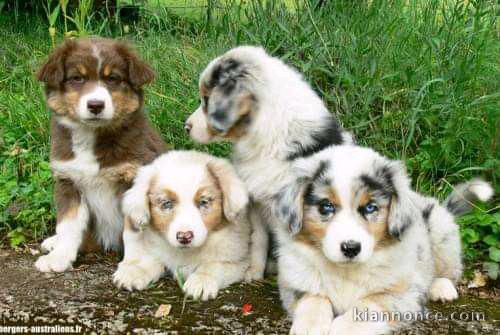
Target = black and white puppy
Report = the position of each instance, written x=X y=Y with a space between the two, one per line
x=272 y=117
x=355 y=237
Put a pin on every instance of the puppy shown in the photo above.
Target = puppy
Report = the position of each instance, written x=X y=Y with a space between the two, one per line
x=272 y=117
x=354 y=237
x=193 y=212
x=99 y=137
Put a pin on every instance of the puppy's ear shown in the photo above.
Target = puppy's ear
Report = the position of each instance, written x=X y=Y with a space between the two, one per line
x=288 y=205
x=139 y=73
x=52 y=71
x=135 y=203
x=234 y=193
x=402 y=209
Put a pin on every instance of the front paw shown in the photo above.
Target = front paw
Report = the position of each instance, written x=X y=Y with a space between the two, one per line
x=254 y=273
x=136 y=276
x=54 y=262
x=346 y=325
x=49 y=243
x=442 y=289
x=311 y=324
x=201 y=286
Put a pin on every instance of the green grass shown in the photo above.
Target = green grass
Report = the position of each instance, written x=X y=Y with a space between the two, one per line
x=416 y=80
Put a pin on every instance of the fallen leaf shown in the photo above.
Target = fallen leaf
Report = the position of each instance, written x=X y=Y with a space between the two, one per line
x=163 y=311
x=247 y=309
x=479 y=280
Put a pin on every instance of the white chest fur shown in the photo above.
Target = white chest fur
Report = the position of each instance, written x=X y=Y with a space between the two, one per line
x=99 y=194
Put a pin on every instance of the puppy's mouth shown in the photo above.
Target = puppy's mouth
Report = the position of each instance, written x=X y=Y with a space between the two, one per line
x=95 y=121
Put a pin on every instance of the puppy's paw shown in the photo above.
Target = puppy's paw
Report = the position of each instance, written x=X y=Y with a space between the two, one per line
x=136 y=276
x=345 y=324
x=201 y=286
x=312 y=323
x=442 y=289
x=54 y=262
x=49 y=243
x=254 y=273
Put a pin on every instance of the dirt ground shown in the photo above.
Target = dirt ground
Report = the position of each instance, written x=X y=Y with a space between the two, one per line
x=86 y=297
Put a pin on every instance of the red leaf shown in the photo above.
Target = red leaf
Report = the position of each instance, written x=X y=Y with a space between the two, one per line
x=247 y=309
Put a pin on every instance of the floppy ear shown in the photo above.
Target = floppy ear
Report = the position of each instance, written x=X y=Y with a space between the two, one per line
x=139 y=73
x=288 y=205
x=135 y=203
x=234 y=193
x=52 y=72
x=402 y=209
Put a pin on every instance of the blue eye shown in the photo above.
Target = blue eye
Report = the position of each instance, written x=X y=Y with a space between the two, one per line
x=326 y=207
x=370 y=208
x=166 y=205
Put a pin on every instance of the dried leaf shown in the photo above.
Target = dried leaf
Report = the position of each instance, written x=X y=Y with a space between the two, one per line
x=247 y=309
x=163 y=311
x=479 y=280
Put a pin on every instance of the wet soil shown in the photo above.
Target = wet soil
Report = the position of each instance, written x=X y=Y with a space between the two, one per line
x=86 y=297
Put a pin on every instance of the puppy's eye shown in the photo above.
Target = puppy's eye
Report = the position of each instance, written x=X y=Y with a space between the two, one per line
x=326 y=208
x=369 y=208
x=204 y=202
x=114 y=79
x=166 y=205
x=76 y=79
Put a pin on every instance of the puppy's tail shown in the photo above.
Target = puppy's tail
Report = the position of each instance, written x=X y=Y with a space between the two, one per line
x=459 y=202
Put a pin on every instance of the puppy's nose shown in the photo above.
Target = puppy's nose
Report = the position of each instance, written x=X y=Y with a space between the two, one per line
x=187 y=127
x=350 y=248
x=95 y=106
x=185 y=237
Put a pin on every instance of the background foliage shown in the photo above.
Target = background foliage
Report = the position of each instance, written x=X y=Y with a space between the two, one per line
x=416 y=80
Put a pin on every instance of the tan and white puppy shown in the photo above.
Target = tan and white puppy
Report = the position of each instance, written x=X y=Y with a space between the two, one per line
x=272 y=117
x=355 y=238
x=99 y=138
x=187 y=211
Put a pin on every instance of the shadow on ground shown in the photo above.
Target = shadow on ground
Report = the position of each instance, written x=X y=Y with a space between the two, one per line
x=87 y=297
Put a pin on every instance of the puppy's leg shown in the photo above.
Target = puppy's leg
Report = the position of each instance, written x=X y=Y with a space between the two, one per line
x=138 y=268
x=259 y=245
x=209 y=278
x=72 y=222
x=446 y=252
x=312 y=314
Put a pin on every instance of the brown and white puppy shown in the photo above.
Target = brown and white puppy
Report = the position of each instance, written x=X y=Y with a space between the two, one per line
x=272 y=117
x=187 y=211
x=356 y=238
x=99 y=138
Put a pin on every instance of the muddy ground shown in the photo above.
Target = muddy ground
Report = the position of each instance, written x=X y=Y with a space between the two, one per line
x=87 y=297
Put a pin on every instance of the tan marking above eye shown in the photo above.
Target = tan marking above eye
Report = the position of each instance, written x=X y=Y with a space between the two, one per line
x=364 y=199
x=82 y=69
x=107 y=70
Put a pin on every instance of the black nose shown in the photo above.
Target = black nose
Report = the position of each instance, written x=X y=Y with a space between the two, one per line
x=95 y=106
x=184 y=237
x=350 y=248
x=187 y=127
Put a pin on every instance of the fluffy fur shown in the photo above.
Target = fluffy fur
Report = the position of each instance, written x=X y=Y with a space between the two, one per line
x=99 y=138
x=187 y=211
x=272 y=116
x=354 y=236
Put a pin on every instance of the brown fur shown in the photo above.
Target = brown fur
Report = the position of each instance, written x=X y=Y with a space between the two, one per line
x=161 y=219
x=121 y=146
x=212 y=215
x=314 y=227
